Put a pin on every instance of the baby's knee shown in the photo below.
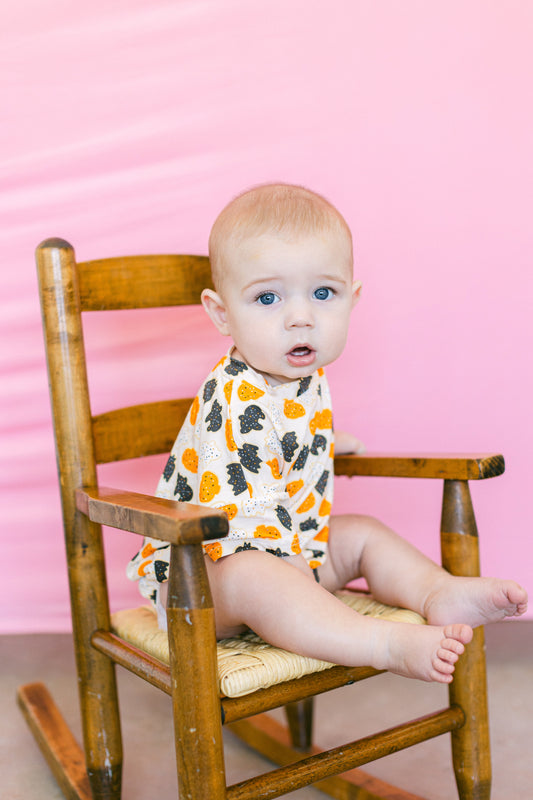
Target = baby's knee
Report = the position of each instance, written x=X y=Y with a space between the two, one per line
x=351 y=524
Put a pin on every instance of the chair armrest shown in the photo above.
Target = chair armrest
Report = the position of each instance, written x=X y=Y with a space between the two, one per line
x=165 y=520
x=460 y=467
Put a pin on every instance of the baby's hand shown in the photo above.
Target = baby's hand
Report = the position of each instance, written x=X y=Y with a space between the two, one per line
x=346 y=443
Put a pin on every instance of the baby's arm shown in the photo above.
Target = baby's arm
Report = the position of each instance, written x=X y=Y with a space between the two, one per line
x=346 y=443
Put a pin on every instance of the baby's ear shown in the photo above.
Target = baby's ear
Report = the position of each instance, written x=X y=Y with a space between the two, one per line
x=356 y=292
x=216 y=309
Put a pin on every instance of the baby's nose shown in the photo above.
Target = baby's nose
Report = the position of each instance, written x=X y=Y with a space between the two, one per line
x=299 y=315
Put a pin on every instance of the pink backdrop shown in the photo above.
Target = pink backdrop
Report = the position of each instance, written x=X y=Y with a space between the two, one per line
x=127 y=125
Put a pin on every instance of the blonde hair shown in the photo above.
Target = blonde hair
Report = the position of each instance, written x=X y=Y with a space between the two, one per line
x=276 y=208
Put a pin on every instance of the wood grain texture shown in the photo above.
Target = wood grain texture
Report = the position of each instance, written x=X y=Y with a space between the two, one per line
x=150 y=281
x=56 y=742
x=470 y=744
x=134 y=660
x=300 y=721
x=431 y=465
x=67 y=372
x=157 y=517
x=321 y=765
x=271 y=739
x=458 y=518
x=194 y=677
x=237 y=708
x=136 y=431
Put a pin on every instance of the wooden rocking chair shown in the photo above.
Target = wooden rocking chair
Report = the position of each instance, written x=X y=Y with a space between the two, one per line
x=201 y=703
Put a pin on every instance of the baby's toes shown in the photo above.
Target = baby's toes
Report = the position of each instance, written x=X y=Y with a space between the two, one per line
x=442 y=671
x=454 y=647
x=447 y=655
x=457 y=635
x=513 y=599
x=518 y=597
x=516 y=593
x=443 y=665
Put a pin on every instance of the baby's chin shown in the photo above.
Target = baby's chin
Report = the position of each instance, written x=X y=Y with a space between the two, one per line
x=293 y=369
x=287 y=377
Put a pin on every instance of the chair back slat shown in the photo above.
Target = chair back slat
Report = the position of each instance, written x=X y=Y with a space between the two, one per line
x=142 y=281
x=69 y=288
x=138 y=431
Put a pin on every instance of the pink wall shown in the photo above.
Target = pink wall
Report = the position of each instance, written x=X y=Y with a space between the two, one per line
x=125 y=128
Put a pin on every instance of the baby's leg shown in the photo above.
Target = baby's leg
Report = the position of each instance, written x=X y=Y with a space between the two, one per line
x=283 y=603
x=398 y=574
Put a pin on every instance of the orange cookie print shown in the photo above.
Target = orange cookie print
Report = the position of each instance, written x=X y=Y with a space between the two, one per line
x=267 y=532
x=230 y=441
x=228 y=388
x=325 y=508
x=247 y=391
x=294 y=486
x=147 y=550
x=293 y=410
x=209 y=487
x=189 y=459
x=194 y=410
x=143 y=566
x=323 y=535
x=230 y=510
x=274 y=468
x=307 y=504
x=295 y=544
x=314 y=564
x=214 y=550
x=322 y=419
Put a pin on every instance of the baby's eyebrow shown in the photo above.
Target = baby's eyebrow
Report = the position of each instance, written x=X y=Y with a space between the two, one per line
x=260 y=281
x=273 y=280
x=333 y=279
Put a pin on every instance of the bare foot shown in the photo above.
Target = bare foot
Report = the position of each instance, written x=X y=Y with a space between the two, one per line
x=426 y=652
x=475 y=601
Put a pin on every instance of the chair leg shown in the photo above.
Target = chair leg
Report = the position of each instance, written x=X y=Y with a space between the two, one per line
x=194 y=677
x=97 y=686
x=470 y=744
x=103 y=754
x=300 y=720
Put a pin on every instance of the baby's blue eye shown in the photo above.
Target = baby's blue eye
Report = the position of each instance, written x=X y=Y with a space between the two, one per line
x=267 y=298
x=323 y=293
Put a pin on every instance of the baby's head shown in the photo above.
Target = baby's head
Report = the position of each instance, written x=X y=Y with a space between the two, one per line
x=282 y=265
x=276 y=209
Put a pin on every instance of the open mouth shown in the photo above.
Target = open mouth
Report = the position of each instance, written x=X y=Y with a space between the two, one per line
x=301 y=356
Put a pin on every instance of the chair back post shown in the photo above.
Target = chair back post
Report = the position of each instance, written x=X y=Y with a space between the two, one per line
x=56 y=266
x=460 y=556
x=194 y=675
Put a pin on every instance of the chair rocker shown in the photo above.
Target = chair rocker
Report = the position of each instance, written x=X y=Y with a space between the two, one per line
x=83 y=441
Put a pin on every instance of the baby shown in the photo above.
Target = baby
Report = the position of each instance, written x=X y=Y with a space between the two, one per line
x=258 y=442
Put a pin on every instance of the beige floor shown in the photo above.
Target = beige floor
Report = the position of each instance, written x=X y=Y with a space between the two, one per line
x=351 y=712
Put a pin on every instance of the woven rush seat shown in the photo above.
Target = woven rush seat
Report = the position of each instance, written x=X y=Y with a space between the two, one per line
x=247 y=663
